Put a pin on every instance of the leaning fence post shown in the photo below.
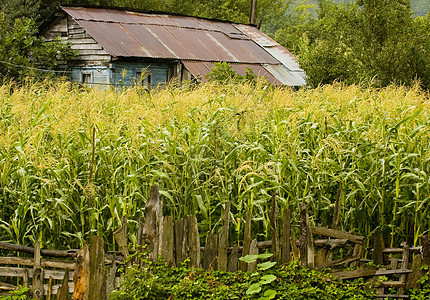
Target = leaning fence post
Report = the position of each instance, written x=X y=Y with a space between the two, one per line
x=37 y=274
x=97 y=269
x=306 y=245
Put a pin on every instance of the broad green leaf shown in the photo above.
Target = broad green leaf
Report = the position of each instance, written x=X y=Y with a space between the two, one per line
x=253 y=288
x=266 y=279
x=250 y=258
x=266 y=265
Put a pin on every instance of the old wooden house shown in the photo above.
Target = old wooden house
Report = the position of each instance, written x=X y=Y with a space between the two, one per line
x=122 y=47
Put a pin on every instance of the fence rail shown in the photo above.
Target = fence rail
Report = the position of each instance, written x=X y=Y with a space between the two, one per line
x=90 y=273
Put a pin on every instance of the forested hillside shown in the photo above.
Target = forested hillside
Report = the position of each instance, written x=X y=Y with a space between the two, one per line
x=419 y=7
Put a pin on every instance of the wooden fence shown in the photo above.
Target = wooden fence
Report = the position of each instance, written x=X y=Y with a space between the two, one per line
x=89 y=273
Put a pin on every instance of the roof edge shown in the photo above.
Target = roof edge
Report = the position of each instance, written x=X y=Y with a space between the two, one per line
x=151 y=12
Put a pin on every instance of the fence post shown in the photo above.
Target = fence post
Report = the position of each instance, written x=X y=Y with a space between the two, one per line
x=246 y=240
x=234 y=256
x=63 y=292
x=81 y=275
x=253 y=250
x=425 y=243
x=37 y=274
x=273 y=216
x=120 y=236
x=210 y=258
x=153 y=215
x=286 y=236
x=223 y=239
x=97 y=281
x=378 y=248
x=167 y=243
x=194 y=241
x=306 y=245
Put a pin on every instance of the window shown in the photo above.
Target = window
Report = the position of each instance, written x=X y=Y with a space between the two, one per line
x=142 y=80
x=86 y=78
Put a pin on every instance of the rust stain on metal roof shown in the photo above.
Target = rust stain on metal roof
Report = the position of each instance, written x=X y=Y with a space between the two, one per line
x=200 y=69
x=131 y=34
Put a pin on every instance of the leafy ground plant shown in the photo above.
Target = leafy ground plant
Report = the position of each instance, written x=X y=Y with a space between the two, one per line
x=158 y=281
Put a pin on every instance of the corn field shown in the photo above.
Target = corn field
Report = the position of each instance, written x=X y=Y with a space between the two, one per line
x=74 y=160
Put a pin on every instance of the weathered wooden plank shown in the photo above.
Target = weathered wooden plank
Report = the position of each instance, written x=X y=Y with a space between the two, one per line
x=37 y=287
x=7 y=287
x=273 y=216
x=392 y=272
x=394 y=263
x=167 y=241
x=194 y=241
x=234 y=258
x=338 y=262
x=97 y=271
x=223 y=238
x=425 y=244
x=357 y=252
x=246 y=240
x=366 y=272
x=400 y=250
x=416 y=274
x=56 y=287
x=49 y=290
x=83 y=46
x=153 y=214
x=337 y=234
x=211 y=252
x=378 y=247
x=180 y=256
x=43 y=252
x=92 y=52
x=63 y=291
x=110 y=278
x=331 y=243
x=26 y=261
x=120 y=236
x=286 y=236
x=253 y=250
x=20 y=272
x=306 y=245
x=405 y=264
x=396 y=284
x=81 y=276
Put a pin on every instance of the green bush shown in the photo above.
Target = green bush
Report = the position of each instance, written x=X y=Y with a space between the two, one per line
x=158 y=281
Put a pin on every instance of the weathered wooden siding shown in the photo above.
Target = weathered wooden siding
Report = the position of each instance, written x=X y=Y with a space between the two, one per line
x=91 y=53
x=94 y=65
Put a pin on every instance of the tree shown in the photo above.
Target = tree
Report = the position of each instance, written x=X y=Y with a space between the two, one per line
x=370 y=40
x=23 y=53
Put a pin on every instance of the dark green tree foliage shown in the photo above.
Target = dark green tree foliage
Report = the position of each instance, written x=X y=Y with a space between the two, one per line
x=369 y=40
x=23 y=53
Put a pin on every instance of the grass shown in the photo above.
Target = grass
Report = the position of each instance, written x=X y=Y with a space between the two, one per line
x=206 y=145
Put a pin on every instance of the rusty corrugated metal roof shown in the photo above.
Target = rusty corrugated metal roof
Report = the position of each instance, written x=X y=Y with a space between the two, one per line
x=271 y=46
x=131 y=34
x=202 y=68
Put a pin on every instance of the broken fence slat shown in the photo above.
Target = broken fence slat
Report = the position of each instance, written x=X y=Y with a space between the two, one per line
x=337 y=234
